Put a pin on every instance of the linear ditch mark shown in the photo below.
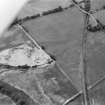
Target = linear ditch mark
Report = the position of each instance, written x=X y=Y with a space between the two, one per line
x=17 y=96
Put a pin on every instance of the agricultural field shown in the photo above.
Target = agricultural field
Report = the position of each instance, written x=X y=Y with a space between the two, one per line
x=60 y=36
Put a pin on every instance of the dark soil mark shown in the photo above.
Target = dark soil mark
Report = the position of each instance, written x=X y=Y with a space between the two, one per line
x=18 y=96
